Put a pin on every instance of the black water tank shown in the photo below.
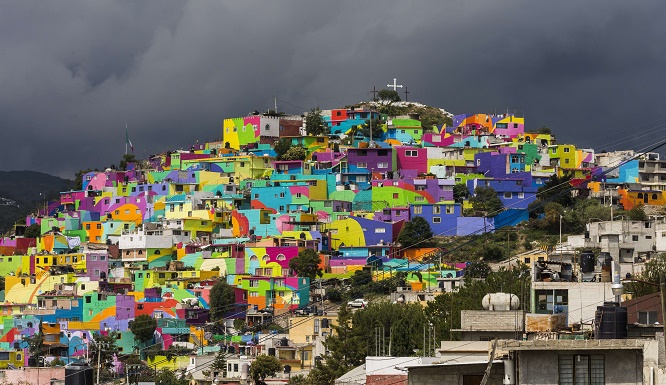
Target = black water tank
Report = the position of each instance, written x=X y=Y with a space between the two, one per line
x=605 y=259
x=587 y=261
x=284 y=341
x=610 y=322
x=271 y=352
x=78 y=375
x=231 y=349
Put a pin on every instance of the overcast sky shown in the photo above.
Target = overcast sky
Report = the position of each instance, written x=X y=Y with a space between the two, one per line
x=74 y=72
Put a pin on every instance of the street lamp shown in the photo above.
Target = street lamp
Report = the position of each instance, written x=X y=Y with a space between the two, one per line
x=617 y=288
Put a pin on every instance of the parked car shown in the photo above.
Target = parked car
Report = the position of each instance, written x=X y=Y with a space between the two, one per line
x=358 y=303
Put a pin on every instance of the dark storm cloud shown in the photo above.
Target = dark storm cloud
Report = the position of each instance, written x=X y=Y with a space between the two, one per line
x=72 y=73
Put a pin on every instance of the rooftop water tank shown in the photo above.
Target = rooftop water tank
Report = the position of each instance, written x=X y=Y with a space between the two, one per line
x=610 y=322
x=587 y=261
x=500 y=301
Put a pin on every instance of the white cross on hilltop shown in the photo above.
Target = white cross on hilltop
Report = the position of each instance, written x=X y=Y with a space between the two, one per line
x=395 y=85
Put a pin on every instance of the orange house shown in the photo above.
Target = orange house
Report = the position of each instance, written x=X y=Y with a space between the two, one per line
x=632 y=198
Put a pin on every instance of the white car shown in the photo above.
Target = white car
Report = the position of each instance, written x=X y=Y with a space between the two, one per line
x=359 y=302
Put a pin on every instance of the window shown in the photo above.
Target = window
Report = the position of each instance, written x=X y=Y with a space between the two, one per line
x=254 y=283
x=548 y=300
x=647 y=317
x=380 y=230
x=436 y=220
x=316 y=326
x=362 y=165
x=436 y=209
x=521 y=195
x=411 y=153
x=382 y=165
x=419 y=210
x=449 y=209
x=581 y=369
x=396 y=195
x=634 y=238
x=419 y=198
x=507 y=195
x=566 y=149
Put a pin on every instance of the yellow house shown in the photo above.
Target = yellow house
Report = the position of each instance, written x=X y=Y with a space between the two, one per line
x=11 y=357
x=308 y=335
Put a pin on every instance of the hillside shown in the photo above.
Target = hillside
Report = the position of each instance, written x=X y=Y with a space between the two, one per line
x=21 y=192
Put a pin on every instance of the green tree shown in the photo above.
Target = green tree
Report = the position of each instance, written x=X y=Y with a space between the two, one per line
x=460 y=192
x=650 y=277
x=485 y=200
x=264 y=366
x=444 y=311
x=389 y=96
x=104 y=346
x=400 y=325
x=298 y=379
x=281 y=147
x=477 y=269
x=637 y=213
x=315 y=125
x=416 y=233
x=220 y=364
x=143 y=327
x=374 y=125
x=544 y=130
x=36 y=343
x=169 y=377
x=361 y=277
x=306 y=264
x=492 y=252
x=222 y=298
x=432 y=117
x=33 y=231
x=347 y=349
x=127 y=158
x=557 y=189
x=295 y=153
x=239 y=325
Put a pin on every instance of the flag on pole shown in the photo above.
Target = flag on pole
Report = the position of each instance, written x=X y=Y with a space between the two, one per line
x=128 y=141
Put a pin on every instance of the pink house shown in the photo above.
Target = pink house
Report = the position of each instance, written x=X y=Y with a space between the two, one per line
x=412 y=158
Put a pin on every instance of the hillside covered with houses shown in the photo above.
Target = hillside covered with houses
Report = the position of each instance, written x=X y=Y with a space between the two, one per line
x=153 y=236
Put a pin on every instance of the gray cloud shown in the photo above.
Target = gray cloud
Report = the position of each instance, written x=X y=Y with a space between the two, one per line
x=73 y=72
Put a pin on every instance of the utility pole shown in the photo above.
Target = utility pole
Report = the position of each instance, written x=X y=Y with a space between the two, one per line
x=99 y=356
x=662 y=287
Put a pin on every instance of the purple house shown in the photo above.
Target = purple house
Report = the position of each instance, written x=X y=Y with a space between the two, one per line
x=97 y=266
x=392 y=214
x=290 y=167
x=371 y=159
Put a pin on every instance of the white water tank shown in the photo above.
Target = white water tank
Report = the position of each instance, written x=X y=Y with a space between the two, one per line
x=500 y=301
x=509 y=373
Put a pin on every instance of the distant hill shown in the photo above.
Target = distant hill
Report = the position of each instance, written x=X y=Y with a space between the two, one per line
x=20 y=194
